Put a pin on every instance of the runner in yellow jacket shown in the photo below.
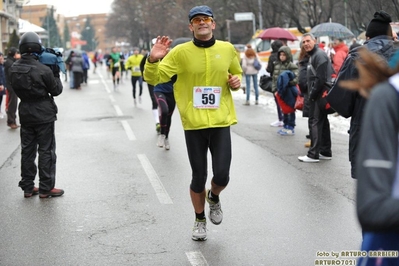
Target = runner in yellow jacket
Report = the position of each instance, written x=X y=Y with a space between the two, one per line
x=133 y=63
x=206 y=70
x=199 y=67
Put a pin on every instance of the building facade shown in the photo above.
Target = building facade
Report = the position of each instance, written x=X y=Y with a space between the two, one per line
x=36 y=14
x=9 y=15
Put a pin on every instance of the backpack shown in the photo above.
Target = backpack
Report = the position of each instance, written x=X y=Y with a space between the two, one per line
x=342 y=99
x=265 y=83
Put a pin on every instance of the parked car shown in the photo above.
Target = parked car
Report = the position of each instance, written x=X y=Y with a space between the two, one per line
x=240 y=47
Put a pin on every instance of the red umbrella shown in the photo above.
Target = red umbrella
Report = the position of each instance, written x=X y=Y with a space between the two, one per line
x=277 y=33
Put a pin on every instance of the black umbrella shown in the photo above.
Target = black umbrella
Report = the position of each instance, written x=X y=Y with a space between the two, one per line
x=332 y=30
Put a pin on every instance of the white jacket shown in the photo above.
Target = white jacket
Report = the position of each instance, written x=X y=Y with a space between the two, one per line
x=248 y=66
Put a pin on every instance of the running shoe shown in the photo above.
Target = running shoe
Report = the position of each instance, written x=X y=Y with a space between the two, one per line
x=287 y=132
x=277 y=124
x=324 y=157
x=199 y=230
x=307 y=159
x=161 y=141
x=215 y=210
x=167 y=145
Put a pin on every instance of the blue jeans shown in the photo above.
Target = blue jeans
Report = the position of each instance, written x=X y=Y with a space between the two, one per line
x=248 y=85
x=289 y=120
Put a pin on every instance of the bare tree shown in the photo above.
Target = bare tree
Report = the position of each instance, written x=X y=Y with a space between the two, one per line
x=138 y=21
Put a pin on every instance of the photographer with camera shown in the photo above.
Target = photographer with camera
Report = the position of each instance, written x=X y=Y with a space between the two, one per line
x=35 y=84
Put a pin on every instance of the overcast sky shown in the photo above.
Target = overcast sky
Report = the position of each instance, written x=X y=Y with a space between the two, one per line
x=76 y=7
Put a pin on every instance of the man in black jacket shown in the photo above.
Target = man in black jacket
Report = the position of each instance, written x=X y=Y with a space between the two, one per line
x=318 y=73
x=12 y=99
x=36 y=84
x=379 y=40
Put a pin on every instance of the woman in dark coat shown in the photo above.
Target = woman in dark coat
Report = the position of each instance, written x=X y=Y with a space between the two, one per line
x=77 y=69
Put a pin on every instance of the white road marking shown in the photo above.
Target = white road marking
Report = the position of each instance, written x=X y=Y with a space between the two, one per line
x=157 y=185
x=196 y=258
x=118 y=110
x=111 y=97
x=128 y=130
x=105 y=84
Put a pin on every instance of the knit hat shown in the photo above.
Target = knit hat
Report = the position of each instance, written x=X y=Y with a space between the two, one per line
x=379 y=25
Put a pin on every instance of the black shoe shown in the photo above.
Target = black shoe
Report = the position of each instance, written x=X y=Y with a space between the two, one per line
x=35 y=191
x=55 y=192
x=308 y=136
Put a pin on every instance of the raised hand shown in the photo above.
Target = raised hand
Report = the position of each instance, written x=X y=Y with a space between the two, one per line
x=160 y=48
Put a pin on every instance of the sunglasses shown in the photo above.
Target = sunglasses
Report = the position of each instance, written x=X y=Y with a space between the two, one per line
x=198 y=20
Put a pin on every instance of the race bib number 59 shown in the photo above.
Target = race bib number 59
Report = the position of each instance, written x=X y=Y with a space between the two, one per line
x=207 y=97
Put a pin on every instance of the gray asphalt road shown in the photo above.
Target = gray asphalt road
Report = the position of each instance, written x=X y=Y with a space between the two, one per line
x=127 y=201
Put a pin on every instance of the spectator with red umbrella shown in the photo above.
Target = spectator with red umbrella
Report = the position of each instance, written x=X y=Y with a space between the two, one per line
x=277 y=33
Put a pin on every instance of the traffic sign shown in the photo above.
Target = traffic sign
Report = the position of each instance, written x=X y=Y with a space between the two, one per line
x=243 y=16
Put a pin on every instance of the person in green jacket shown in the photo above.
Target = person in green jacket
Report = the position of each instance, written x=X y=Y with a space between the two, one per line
x=115 y=65
x=206 y=71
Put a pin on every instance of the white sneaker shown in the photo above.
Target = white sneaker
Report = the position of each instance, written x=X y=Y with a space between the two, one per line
x=1 y=115
x=167 y=145
x=135 y=102
x=215 y=210
x=199 y=230
x=161 y=140
x=322 y=157
x=307 y=159
x=139 y=99
x=277 y=124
